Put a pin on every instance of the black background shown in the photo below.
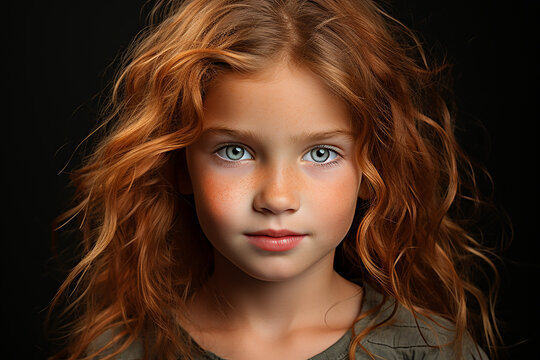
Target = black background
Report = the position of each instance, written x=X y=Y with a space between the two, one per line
x=59 y=57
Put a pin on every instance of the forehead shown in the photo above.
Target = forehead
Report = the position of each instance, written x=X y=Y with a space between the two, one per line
x=283 y=97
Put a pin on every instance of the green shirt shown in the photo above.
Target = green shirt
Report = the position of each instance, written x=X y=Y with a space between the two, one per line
x=400 y=339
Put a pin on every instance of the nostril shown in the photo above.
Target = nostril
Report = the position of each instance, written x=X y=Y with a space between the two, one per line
x=276 y=203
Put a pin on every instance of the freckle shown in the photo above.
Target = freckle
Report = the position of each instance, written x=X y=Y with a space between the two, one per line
x=223 y=193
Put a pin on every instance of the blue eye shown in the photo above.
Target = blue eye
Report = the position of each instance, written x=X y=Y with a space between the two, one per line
x=234 y=153
x=321 y=155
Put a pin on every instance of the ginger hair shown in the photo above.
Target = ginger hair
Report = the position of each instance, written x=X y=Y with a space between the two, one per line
x=143 y=253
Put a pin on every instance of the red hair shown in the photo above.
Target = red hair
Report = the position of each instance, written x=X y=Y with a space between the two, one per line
x=143 y=257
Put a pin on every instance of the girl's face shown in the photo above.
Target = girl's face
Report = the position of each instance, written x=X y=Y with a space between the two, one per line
x=276 y=153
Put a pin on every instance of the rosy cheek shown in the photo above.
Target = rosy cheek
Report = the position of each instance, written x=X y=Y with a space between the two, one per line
x=336 y=199
x=223 y=196
x=334 y=195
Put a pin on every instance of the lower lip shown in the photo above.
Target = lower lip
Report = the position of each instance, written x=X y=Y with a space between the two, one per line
x=269 y=243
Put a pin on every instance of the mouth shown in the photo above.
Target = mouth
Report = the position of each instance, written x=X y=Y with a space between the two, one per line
x=275 y=240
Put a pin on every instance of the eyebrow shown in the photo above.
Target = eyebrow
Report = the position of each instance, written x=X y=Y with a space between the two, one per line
x=248 y=134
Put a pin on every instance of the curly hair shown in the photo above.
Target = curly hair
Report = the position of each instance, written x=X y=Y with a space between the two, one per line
x=144 y=254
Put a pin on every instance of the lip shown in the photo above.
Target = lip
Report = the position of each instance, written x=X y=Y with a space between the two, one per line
x=275 y=240
x=275 y=233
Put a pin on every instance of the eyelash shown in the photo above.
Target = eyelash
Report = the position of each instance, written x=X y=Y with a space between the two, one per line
x=332 y=163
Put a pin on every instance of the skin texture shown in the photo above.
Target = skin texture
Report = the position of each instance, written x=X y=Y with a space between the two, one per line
x=291 y=303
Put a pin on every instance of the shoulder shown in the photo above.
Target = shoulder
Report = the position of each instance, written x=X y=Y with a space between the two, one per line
x=408 y=337
x=133 y=352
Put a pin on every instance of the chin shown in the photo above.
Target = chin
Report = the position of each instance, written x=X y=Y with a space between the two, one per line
x=273 y=272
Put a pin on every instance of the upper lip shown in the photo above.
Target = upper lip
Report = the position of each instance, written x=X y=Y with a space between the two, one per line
x=275 y=233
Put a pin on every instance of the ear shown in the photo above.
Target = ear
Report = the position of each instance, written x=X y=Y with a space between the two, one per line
x=182 y=173
x=363 y=189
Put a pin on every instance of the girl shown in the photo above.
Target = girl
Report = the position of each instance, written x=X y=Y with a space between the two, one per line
x=279 y=180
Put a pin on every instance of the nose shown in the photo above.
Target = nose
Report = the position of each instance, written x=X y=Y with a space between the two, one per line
x=277 y=191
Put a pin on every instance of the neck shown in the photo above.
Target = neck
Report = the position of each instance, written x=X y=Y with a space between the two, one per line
x=275 y=308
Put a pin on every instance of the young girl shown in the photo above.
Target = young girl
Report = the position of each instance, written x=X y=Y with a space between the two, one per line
x=279 y=180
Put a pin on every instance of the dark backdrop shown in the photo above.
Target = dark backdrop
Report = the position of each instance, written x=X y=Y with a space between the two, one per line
x=58 y=61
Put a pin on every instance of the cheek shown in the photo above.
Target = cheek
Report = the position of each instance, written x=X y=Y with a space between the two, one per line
x=220 y=199
x=334 y=200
